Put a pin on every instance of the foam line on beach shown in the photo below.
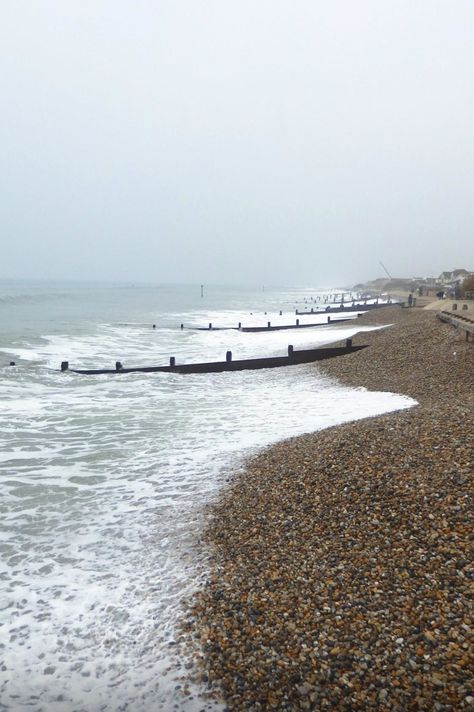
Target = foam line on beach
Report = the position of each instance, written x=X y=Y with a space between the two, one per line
x=340 y=560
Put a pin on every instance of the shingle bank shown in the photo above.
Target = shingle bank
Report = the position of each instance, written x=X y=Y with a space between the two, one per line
x=342 y=574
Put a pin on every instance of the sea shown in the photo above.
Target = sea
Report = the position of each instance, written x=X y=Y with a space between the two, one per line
x=104 y=480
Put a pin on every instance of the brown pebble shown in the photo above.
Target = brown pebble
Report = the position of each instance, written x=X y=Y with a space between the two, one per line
x=341 y=563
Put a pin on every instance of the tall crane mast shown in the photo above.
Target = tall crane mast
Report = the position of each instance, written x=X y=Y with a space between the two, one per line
x=386 y=270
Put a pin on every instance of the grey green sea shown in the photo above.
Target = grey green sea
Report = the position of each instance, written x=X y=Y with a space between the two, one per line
x=104 y=479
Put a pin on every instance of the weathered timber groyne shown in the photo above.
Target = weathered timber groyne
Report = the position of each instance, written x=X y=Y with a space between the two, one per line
x=269 y=327
x=293 y=357
x=459 y=321
x=346 y=307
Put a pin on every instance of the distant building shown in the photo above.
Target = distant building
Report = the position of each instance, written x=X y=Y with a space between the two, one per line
x=455 y=276
x=452 y=282
x=449 y=283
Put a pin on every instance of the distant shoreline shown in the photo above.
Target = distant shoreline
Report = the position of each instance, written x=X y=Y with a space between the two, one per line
x=340 y=559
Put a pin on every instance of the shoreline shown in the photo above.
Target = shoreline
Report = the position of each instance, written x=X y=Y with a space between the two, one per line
x=340 y=570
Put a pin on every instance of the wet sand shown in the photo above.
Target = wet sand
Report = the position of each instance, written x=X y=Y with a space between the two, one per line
x=341 y=568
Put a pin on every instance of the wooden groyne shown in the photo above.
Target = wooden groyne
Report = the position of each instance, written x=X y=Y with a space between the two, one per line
x=268 y=327
x=346 y=307
x=464 y=323
x=293 y=357
x=339 y=298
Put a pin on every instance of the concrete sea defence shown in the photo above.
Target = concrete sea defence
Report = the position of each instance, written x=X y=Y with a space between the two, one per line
x=341 y=569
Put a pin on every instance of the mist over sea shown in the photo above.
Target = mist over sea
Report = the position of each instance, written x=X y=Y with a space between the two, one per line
x=103 y=479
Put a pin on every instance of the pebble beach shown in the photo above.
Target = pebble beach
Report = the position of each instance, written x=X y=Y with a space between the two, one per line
x=341 y=574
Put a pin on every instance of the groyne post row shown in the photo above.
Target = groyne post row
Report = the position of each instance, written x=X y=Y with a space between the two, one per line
x=291 y=351
x=338 y=308
x=293 y=357
x=346 y=305
x=459 y=321
x=239 y=327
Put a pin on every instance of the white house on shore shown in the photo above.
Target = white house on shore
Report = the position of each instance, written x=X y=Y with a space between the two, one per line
x=457 y=276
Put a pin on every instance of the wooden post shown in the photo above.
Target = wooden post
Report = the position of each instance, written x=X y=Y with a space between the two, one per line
x=64 y=365
x=290 y=351
x=118 y=366
x=329 y=319
x=210 y=326
x=281 y=312
x=228 y=356
x=240 y=325
x=268 y=324
x=182 y=326
x=348 y=343
x=297 y=322
x=172 y=361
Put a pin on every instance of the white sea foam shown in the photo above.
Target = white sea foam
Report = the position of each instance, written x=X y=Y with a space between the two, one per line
x=102 y=483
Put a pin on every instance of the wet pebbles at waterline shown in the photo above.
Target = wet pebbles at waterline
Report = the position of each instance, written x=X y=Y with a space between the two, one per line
x=104 y=479
x=342 y=575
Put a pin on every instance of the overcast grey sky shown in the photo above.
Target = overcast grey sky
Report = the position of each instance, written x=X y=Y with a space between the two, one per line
x=260 y=141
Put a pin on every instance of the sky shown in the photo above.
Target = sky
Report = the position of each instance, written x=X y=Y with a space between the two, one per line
x=249 y=141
